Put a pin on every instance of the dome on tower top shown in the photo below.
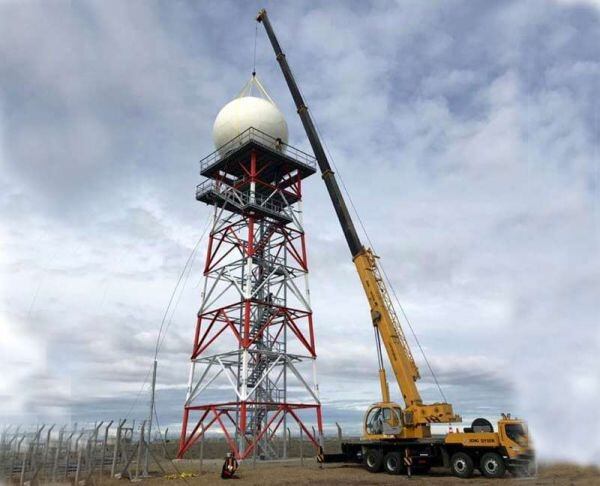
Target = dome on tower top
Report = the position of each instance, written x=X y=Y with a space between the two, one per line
x=247 y=111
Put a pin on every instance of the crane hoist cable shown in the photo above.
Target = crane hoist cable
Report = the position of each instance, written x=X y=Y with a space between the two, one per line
x=389 y=282
x=254 y=58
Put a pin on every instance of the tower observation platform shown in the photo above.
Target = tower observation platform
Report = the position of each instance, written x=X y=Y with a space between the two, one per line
x=229 y=180
x=253 y=362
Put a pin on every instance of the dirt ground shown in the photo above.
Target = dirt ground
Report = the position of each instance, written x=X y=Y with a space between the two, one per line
x=291 y=472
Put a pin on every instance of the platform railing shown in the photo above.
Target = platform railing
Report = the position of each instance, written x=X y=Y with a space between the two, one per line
x=236 y=197
x=261 y=138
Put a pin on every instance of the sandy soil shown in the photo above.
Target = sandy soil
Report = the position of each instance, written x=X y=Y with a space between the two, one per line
x=292 y=472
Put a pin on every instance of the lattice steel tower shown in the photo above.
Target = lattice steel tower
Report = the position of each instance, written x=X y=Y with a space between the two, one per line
x=253 y=357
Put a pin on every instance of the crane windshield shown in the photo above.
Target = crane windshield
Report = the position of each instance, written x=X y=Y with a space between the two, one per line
x=516 y=432
x=384 y=420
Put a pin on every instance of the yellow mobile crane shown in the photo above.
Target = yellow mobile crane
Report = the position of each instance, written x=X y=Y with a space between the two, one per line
x=395 y=437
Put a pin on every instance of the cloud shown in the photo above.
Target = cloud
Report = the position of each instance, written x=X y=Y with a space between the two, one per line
x=466 y=133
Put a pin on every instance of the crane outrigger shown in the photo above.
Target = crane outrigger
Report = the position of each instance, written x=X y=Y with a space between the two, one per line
x=394 y=436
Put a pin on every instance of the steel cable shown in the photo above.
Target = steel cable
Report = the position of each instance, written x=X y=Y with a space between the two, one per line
x=187 y=267
x=164 y=444
x=162 y=335
x=388 y=281
x=254 y=58
x=160 y=338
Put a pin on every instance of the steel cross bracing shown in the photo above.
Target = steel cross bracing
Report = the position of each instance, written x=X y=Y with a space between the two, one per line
x=253 y=355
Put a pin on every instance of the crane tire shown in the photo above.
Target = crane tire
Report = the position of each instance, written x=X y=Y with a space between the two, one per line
x=393 y=463
x=492 y=465
x=462 y=465
x=373 y=460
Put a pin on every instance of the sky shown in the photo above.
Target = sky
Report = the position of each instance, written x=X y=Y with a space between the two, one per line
x=466 y=132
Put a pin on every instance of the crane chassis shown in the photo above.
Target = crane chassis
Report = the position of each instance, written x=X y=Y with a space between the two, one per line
x=492 y=453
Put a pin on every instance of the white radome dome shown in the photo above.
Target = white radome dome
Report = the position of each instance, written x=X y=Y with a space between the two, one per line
x=245 y=112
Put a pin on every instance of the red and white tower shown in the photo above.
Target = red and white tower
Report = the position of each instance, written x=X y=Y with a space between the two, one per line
x=253 y=369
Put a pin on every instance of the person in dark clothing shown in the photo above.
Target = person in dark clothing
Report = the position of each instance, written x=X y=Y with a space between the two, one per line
x=229 y=467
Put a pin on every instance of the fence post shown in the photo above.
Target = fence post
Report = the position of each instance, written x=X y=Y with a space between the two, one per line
x=201 y=451
x=2 y=453
x=301 y=448
x=104 y=445
x=77 y=446
x=15 y=455
x=339 y=431
x=11 y=458
x=139 y=451
x=163 y=442
x=78 y=470
x=68 y=455
x=36 y=446
x=24 y=465
x=254 y=448
x=92 y=449
x=78 y=453
x=47 y=451
x=113 y=467
x=3 y=450
x=57 y=453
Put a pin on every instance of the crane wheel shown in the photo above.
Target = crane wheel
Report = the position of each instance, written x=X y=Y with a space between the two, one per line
x=393 y=463
x=492 y=465
x=461 y=465
x=373 y=460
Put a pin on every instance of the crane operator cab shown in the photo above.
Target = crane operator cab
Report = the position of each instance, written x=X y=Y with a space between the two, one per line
x=383 y=420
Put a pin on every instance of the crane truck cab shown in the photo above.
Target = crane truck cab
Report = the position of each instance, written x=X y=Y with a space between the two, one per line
x=493 y=453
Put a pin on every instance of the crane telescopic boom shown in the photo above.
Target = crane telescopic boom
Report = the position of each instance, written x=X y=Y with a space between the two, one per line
x=416 y=416
x=328 y=176
x=393 y=438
